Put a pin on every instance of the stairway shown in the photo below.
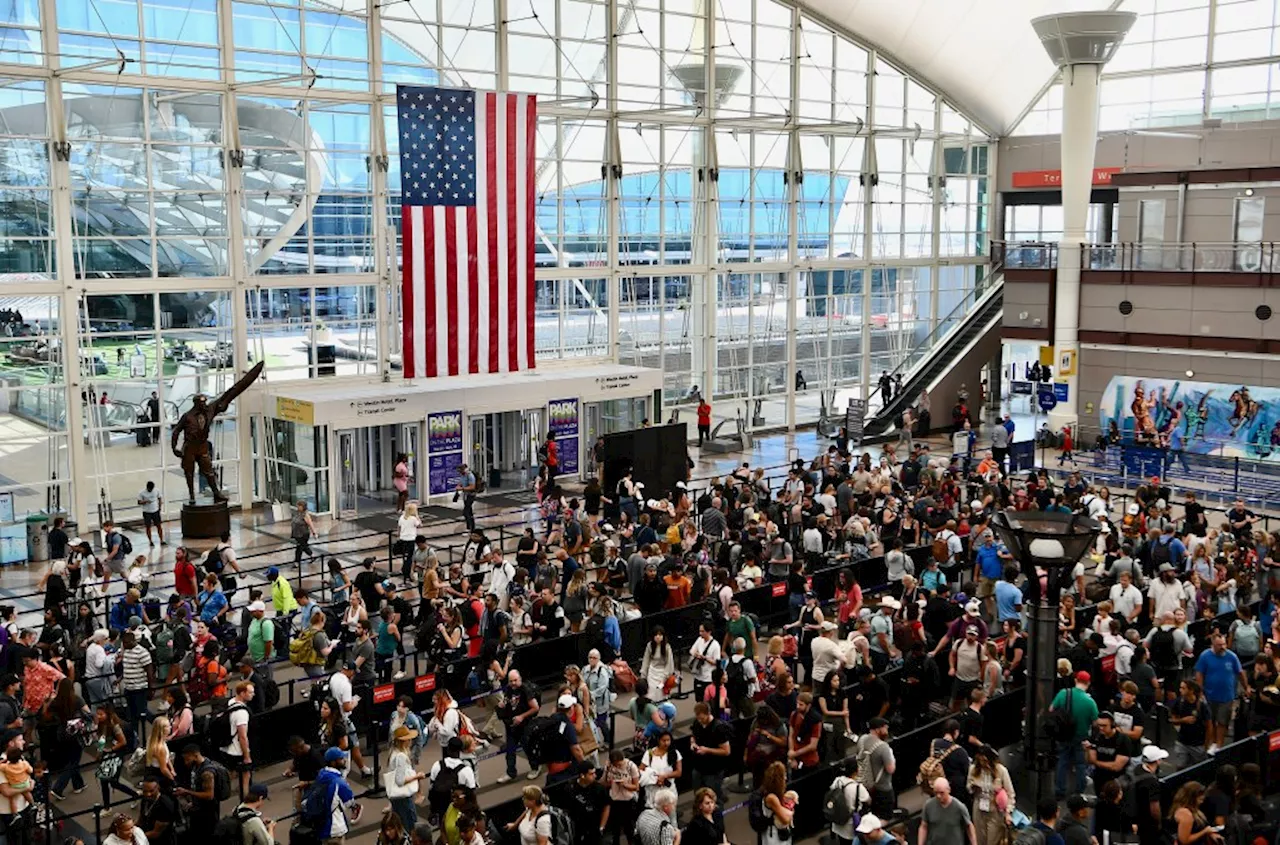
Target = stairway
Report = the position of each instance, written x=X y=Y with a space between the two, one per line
x=923 y=371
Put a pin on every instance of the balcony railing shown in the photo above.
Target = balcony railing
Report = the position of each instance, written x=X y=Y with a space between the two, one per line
x=1225 y=257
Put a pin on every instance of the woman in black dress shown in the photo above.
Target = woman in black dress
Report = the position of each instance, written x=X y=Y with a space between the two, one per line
x=707 y=825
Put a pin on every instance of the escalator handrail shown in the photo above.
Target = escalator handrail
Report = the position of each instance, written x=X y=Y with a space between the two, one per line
x=978 y=306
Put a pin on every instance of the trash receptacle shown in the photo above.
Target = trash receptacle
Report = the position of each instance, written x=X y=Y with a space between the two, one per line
x=37 y=538
x=495 y=478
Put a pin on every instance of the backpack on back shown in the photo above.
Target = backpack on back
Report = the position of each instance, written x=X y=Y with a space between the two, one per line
x=1164 y=654
x=220 y=733
x=941 y=552
x=230 y=829
x=931 y=769
x=316 y=803
x=302 y=649
x=836 y=808
x=541 y=738
x=757 y=815
x=126 y=545
x=863 y=774
x=1162 y=552
x=221 y=778
x=213 y=562
x=561 y=825
x=737 y=682
x=442 y=787
x=1028 y=836
x=470 y=618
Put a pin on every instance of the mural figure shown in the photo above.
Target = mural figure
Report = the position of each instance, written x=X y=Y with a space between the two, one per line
x=1246 y=409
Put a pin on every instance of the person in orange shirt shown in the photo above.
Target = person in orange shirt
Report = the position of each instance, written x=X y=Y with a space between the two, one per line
x=988 y=464
x=678 y=588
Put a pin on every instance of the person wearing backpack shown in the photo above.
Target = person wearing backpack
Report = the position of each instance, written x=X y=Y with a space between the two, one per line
x=229 y=732
x=844 y=807
x=328 y=807
x=448 y=773
x=1079 y=712
x=245 y=825
x=1166 y=643
x=541 y=823
x=947 y=758
x=210 y=786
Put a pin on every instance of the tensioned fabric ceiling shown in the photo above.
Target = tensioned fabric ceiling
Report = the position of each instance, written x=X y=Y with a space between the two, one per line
x=981 y=54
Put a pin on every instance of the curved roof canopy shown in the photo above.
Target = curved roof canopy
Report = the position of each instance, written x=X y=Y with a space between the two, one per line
x=982 y=55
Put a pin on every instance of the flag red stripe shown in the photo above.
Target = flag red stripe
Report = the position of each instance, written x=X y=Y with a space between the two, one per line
x=513 y=194
x=491 y=214
x=429 y=298
x=531 y=135
x=408 y=344
x=451 y=283
x=473 y=292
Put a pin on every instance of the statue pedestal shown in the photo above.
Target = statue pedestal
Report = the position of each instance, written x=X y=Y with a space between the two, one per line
x=205 y=521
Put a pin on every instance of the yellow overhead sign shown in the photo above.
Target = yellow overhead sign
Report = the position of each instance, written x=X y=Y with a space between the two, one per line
x=1046 y=356
x=295 y=411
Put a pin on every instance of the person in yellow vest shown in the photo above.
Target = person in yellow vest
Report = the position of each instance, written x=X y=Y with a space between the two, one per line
x=281 y=593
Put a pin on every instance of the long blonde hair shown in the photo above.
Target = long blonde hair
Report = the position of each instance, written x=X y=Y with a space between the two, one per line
x=158 y=740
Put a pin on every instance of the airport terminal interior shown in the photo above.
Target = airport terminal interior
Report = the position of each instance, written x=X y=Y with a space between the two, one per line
x=307 y=280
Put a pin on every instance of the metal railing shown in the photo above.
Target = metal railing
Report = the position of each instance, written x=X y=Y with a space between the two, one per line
x=1204 y=257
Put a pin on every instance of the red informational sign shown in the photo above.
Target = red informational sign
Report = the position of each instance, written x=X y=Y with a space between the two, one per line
x=1053 y=178
x=779 y=589
x=1273 y=741
x=384 y=693
x=424 y=683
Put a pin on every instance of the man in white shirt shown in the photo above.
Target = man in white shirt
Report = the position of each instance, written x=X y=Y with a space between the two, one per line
x=452 y=760
x=1165 y=594
x=704 y=657
x=99 y=669
x=501 y=575
x=1126 y=599
x=828 y=656
x=236 y=755
x=340 y=690
x=150 y=500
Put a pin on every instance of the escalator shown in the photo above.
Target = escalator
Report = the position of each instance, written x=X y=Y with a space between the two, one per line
x=969 y=335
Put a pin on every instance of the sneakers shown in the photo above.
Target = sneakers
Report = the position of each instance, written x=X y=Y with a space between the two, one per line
x=505 y=779
x=356 y=811
x=78 y=790
x=535 y=774
x=56 y=795
x=1212 y=749
x=851 y=736
x=367 y=771
x=398 y=676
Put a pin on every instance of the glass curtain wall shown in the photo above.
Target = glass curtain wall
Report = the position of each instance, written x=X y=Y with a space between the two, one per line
x=193 y=187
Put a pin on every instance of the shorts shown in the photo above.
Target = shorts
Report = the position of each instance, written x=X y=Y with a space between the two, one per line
x=233 y=762
x=1220 y=712
x=151 y=519
x=986 y=587
x=961 y=689
x=118 y=565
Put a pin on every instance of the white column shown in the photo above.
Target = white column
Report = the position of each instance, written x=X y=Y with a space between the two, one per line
x=1079 y=140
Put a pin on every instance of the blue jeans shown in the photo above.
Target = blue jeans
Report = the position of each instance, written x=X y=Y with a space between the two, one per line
x=403 y=807
x=1070 y=754
x=71 y=771
x=514 y=735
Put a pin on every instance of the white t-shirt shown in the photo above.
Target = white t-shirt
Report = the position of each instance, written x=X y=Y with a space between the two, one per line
x=340 y=689
x=466 y=774
x=239 y=716
x=1125 y=600
x=532 y=827
x=1167 y=597
x=150 y=501
x=859 y=799
x=408 y=526
x=655 y=764
x=710 y=649
x=827 y=657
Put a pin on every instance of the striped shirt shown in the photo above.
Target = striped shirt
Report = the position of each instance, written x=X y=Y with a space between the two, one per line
x=135 y=661
x=655 y=827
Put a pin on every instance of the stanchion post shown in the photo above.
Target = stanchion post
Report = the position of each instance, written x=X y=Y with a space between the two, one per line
x=376 y=788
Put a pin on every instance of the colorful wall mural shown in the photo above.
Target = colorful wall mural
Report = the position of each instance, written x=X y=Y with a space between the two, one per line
x=1204 y=418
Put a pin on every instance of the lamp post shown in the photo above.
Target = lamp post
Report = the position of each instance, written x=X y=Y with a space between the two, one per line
x=1053 y=542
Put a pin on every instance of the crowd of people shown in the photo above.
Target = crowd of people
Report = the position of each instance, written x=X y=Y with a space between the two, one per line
x=949 y=623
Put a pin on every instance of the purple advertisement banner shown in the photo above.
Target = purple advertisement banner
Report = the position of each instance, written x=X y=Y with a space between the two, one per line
x=444 y=451
x=562 y=421
x=444 y=472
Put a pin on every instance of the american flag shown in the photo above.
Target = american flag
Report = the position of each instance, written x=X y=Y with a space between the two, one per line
x=467 y=189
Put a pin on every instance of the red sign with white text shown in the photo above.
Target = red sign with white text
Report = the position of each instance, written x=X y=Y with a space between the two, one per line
x=384 y=693
x=1053 y=178
x=1273 y=741
x=779 y=589
x=424 y=683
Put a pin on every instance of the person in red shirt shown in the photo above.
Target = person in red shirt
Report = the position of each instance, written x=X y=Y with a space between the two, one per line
x=806 y=731
x=1068 y=453
x=184 y=574
x=704 y=420
x=553 y=455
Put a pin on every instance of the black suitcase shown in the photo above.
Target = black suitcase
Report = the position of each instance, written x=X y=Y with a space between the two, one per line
x=301 y=834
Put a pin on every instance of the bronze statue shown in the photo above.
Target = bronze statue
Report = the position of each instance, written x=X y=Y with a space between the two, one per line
x=194 y=425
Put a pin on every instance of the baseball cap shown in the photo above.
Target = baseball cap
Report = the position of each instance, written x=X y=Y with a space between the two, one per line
x=258 y=790
x=609 y=544
x=1165 y=567
x=811 y=595
x=1153 y=754
x=1133 y=509
x=335 y=755
x=972 y=607
x=1082 y=677
x=272 y=572
x=135 y=621
x=971 y=629
x=830 y=626
x=350 y=666
x=566 y=701
x=868 y=824
x=877 y=723
x=255 y=606
x=388 y=584
x=1078 y=802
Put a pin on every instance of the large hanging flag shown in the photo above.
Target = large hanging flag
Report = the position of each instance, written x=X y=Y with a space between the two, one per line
x=467 y=187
